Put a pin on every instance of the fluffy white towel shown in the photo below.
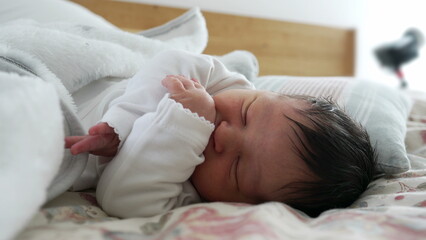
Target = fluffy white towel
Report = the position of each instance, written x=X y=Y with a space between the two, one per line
x=30 y=130
x=40 y=65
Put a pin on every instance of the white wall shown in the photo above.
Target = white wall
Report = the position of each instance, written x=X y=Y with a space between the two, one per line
x=385 y=21
x=376 y=22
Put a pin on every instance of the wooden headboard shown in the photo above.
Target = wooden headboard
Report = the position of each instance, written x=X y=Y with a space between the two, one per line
x=282 y=48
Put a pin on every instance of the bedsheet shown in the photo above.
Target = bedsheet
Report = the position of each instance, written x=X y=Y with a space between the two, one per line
x=393 y=207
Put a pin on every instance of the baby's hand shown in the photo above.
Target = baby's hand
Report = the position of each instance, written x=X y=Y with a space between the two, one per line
x=192 y=95
x=101 y=141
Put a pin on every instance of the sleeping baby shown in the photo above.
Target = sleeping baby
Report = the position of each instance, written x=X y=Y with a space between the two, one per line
x=186 y=130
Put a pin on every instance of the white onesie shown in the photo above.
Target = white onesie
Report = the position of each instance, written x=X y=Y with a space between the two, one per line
x=161 y=142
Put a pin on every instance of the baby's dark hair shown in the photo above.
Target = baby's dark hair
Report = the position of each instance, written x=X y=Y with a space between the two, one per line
x=339 y=154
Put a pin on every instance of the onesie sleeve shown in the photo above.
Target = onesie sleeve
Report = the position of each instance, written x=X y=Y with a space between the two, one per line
x=142 y=94
x=150 y=173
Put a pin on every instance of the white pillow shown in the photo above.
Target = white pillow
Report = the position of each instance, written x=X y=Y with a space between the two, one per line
x=382 y=110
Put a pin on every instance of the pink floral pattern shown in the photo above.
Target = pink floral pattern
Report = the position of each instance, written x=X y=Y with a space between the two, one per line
x=392 y=208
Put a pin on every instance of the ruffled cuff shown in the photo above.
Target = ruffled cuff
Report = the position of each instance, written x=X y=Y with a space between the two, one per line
x=121 y=121
x=181 y=121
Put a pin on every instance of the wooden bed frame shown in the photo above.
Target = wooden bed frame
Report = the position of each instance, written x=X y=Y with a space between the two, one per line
x=282 y=48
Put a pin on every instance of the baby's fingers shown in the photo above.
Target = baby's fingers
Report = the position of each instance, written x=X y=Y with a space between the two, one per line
x=101 y=128
x=173 y=84
x=89 y=143
x=188 y=83
x=71 y=140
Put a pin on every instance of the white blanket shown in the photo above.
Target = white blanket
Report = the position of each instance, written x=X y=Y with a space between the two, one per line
x=40 y=66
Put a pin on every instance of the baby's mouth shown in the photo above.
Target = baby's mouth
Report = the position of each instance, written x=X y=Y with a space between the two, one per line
x=212 y=141
x=217 y=119
x=217 y=122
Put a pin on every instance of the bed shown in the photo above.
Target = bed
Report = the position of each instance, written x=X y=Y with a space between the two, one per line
x=295 y=59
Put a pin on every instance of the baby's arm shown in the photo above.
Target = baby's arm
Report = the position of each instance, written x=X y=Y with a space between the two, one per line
x=150 y=173
x=102 y=139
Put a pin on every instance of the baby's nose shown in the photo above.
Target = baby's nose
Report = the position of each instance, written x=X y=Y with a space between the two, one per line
x=224 y=137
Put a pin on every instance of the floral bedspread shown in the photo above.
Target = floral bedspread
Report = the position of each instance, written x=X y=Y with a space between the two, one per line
x=393 y=207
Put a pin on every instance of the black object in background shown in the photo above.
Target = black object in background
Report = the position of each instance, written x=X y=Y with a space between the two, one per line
x=393 y=55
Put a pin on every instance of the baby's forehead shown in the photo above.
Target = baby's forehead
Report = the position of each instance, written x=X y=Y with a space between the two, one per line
x=280 y=111
x=285 y=167
x=295 y=107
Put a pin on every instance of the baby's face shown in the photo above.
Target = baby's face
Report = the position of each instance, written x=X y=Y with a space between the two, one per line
x=251 y=156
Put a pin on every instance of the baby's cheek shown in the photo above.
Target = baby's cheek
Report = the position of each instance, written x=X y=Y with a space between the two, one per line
x=199 y=180
x=199 y=176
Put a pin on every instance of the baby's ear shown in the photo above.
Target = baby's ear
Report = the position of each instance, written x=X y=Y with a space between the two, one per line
x=241 y=61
